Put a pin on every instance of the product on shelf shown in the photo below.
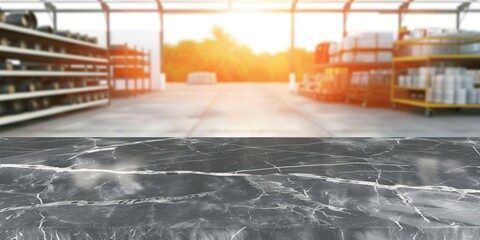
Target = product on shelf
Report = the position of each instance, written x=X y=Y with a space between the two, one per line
x=3 y=108
x=373 y=77
x=322 y=53
x=366 y=57
x=95 y=96
x=368 y=40
x=333 y=82
x=76 y=36
x=68 y=100
x=19 y=44
x=4 y=41
x=93 y=40
x=16 y=107
x=33 y=78
x=87 y=97
x=7 y=88
x=447 y=41
x=46 y=29
x=79 y=98
x=52 y=85
x=25 y=86
x=366 y=47
x=64 y=33
x=6 y=65
x=2 y=16
x=67 y=84
x=81 y=83
x=24 y=19
x=450 y=85
x=33 y=105
x=45 y=102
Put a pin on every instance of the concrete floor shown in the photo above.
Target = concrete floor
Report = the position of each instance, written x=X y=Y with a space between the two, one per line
x=243 y=110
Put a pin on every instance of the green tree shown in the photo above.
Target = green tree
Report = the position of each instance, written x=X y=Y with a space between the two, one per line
x=231 y=61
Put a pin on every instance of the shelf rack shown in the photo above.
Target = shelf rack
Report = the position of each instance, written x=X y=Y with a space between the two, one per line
x=363 y=94
x=400 y=95
x=66 y=72
x=130 y=65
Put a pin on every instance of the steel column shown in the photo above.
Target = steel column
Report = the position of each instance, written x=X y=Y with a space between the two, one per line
x=402 y=11
x=464 y=7
x=53 y=10
x=106 y=11
x=292 y=36
x=346 y=10
x=161 y=43
x=292 y=46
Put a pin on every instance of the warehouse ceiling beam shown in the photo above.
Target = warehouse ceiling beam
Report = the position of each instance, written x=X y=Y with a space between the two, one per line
x=52 y=9
x=462 y=8
x=218 y=11
x=346 y=10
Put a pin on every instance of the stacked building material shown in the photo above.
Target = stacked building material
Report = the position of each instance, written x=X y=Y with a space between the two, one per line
x=131 y=71
x=449 y=85
x=202 y=78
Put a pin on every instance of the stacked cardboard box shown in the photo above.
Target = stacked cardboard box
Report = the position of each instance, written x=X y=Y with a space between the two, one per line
x=366 y=47
x=441 y=46
x=333 y=81
x=373 y=77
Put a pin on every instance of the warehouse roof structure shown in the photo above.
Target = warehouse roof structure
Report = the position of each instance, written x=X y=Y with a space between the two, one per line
x=162 y=7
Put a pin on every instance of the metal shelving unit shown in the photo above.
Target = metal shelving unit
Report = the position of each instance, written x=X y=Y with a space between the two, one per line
x=130 y=65
x=62 y=74
x=353 y=93
x=400 y=95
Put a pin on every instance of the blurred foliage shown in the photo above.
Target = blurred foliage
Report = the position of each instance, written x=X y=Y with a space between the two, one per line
x=232 y=61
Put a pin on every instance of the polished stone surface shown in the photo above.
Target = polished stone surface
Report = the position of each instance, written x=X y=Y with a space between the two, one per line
x=261 y=188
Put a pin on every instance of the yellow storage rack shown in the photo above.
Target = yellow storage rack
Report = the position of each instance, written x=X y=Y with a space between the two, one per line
x=399 y=62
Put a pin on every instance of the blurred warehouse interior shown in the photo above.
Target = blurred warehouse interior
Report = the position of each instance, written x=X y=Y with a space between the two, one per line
x=101 y=67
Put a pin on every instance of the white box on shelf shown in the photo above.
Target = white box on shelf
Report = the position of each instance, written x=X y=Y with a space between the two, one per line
x=459 y=81
x=449 y=82
x=425 y=71
x=408 y=81
x=414 y=81
x=413 y=71
x=349 y=42
x=478 y=96
x=460 y=96
x=347 y=57
x=431 y=95
x=448 y=96
x=438 y=81
x=384 y=57
x=333 y=49
x=422 y=81
x=468 y=82
x=450 y=71
x=472 y=96
x=401 y=81
x=473 y=48
x=437 y=95
x=365 y=57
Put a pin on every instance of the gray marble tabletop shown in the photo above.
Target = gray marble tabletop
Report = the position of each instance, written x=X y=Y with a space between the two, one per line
x=240 y=188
